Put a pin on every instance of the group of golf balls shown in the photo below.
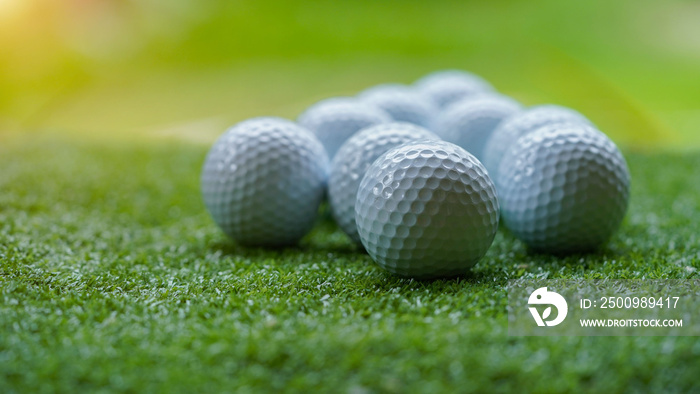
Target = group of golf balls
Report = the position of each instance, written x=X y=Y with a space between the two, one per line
x=420 y=175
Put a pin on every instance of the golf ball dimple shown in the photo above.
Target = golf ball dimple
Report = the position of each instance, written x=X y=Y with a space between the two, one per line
x=402 y=103
x=563 y=188
x=352 y=160
x=263 y=181
x=520 y=124
x=426 y=209
x=470 y=122
x=335 y=120
x=448 y=86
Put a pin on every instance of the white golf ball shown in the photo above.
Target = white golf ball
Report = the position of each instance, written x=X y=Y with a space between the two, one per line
x=352 y=160
x=263 y=181
x=335 y=120
x=470 y=122
x=402 y=103
x=520 y=124
x=448 y=86
x=426 y=209
x=563 y=188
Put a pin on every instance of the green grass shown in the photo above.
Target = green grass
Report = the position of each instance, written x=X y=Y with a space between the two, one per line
x=113 y=277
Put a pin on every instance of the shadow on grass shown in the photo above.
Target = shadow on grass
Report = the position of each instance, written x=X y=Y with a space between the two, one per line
x=586 y=260
x=517 y=250
x=385 y=283
x=230 y=248
x=327 y=243
x=507 y=259
x=325 y=240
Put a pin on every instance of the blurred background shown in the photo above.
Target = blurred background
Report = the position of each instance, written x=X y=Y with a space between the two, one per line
x=186 y=69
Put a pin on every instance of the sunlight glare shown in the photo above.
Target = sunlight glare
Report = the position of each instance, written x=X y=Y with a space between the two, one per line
x=11 y=7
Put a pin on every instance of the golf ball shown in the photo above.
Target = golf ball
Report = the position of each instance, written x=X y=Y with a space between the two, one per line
x=426 y=209
x=470 y=122
x=334 y=120
x=521 y=124
x=263 y=181
x=402 y=103
x=564 y=188
x=352 y=160
x=446 y=87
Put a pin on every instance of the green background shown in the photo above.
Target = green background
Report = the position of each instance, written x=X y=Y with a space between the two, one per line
x=116 y=67
x=114 y=278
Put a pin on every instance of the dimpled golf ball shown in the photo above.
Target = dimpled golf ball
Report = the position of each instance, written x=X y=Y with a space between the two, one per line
x=352 y=160
x=335 y=120
x=521 y=124
x=426 y=209
x=263 y=181
x=564 y=188
x=470 y=122
x=402 y=103
x=446 y=87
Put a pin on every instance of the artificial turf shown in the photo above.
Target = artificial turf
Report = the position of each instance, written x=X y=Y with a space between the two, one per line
x=113 y=278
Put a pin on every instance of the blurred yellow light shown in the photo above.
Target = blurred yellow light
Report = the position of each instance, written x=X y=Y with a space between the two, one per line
x=11 y=7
